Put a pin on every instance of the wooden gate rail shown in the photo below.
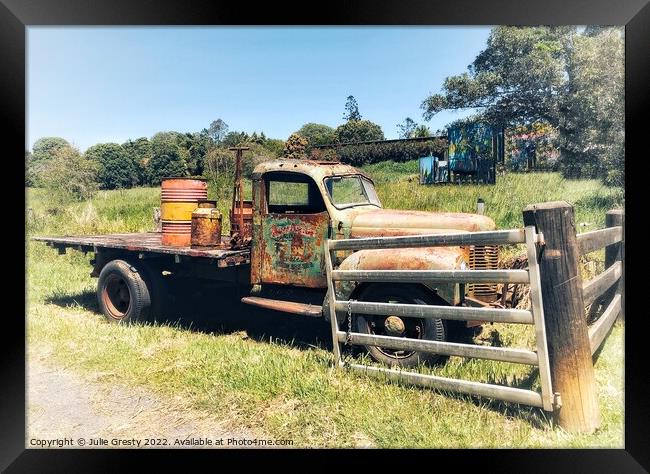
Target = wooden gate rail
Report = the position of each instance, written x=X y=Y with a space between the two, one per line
x=539 y=358
x=597 y=290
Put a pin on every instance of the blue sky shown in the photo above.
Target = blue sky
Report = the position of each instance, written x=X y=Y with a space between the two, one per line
x=94 y=85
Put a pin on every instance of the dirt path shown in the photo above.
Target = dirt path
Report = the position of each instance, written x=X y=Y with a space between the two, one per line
x=63 y=405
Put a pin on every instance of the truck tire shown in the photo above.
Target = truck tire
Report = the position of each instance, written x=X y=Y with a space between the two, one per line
x=122 y=293
x=416 y=328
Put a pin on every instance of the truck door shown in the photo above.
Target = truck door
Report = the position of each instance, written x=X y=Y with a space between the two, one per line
x=294 y=225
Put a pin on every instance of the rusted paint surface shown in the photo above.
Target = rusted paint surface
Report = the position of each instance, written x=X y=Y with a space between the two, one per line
x=292 y=249
x=358 y=221
x=179 y=197
x=318 y=170
x=427 y=258
x=390 y=222
x=176 y=233
x=237 y=216
x=292 y=307
x=206 y=228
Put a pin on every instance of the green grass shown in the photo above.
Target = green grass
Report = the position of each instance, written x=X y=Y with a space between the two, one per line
x=293 y=392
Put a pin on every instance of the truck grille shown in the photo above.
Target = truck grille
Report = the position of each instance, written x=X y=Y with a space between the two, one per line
x=483 y=257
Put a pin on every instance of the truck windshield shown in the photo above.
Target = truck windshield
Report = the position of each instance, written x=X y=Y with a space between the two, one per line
x=348 y=191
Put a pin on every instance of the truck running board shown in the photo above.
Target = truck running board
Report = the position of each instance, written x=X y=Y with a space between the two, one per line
x=283 y=306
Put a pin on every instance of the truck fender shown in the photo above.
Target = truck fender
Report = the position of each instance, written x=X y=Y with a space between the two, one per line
x=426 y=258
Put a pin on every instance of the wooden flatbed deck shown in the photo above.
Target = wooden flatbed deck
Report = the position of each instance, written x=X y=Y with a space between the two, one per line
x=147 y=243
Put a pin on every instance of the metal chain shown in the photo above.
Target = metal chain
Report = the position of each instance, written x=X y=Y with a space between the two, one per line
x=348 y=336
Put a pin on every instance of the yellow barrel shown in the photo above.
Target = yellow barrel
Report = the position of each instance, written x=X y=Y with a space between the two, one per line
x=179 y=197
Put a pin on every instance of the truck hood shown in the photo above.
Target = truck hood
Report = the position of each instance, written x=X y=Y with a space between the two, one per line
x=391 y=222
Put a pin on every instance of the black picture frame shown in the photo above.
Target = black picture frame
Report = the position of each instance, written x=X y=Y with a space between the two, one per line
x=16 y=15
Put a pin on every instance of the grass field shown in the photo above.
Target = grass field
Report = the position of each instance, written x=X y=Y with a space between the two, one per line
x=273 y=372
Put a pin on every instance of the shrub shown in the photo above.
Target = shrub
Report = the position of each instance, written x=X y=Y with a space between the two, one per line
x=70 y=176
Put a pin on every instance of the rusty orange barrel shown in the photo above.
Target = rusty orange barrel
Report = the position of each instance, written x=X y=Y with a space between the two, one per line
x=179 y=197
x=206 y=225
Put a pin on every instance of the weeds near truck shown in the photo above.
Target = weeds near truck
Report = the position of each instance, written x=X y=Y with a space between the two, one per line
x=287 y=388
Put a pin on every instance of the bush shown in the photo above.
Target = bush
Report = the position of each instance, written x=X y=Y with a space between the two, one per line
x=70 y=176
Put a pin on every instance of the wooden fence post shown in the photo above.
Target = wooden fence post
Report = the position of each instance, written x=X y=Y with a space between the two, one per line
x=156 y=220
x=616 y=252
x=572 y=371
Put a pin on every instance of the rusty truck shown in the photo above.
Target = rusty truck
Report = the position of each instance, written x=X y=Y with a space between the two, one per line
x=277 y=262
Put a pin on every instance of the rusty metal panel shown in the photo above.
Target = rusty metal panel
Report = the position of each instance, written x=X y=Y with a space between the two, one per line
x=392 y=222
x=257 y=237
x=425 y=258
x=292 y=249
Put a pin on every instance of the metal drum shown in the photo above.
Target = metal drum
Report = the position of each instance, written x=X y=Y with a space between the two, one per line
x=206 y=226
x=179 y=198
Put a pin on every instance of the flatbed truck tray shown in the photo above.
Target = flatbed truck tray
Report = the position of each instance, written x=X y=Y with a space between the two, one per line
x=147 y=244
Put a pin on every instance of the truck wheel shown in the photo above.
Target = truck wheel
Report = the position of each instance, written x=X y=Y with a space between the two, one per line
x=122 y=293
x=414 y=328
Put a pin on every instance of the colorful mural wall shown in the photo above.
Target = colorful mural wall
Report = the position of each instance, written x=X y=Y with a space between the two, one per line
x=532 y=147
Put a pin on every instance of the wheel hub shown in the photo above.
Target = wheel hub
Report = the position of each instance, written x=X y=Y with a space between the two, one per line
x=394 y=326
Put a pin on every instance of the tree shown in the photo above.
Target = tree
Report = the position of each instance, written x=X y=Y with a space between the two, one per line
x=317 y=134
x=556 y=76
x=220 y=165
x=168 y=158
x=117 y=169
x=196 y=146
x=275 y=146
x=44 y=149
x=139 y=151
x=351 y=109
x=592 y=125
x=295 y=147
x=69 y=175
x=217 y=130
x=358 y=131
x=234 y=139
x=421 y=131
x=407 y=128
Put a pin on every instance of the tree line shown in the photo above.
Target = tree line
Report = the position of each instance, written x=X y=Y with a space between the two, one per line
x=56 y=164
x=566 y=81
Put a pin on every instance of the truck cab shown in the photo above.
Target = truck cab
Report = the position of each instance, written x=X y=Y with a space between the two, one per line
x=298 y=204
